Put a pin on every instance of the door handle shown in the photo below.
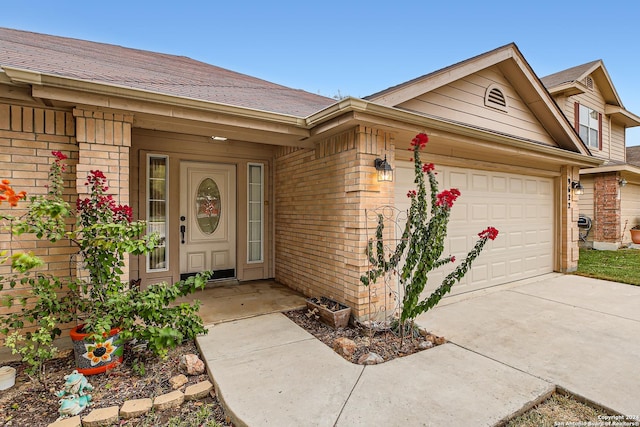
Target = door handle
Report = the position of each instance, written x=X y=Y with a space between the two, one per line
x=183 y=228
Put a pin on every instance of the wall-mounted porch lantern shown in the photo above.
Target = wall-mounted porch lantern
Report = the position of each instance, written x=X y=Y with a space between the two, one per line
x=385 y=171
x=623 y=182
x=577 y=187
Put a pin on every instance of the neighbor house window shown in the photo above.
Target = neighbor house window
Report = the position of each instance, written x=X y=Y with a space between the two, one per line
x=255 y=231
x=158 y=210
x=589 y=126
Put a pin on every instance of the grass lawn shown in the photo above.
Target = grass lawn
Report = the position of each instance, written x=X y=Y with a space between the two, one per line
x=622 y=265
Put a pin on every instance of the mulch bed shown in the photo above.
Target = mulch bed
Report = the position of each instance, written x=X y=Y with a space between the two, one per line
x=385 y=343
x=34 y=404
x=31 y=403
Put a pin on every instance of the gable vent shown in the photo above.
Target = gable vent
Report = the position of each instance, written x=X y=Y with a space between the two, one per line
x=494 y=97
x=588 y=81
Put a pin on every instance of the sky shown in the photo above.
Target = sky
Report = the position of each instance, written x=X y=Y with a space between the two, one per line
x=355 y=48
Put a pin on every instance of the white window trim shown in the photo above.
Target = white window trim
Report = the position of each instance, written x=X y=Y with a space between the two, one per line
x=589 y=143
x=261 y=166
x=148 y=193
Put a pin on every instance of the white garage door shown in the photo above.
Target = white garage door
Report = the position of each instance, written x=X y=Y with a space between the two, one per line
x=520 y=207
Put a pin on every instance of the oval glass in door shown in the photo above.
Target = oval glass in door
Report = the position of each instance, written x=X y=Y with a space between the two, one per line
x=208 y=206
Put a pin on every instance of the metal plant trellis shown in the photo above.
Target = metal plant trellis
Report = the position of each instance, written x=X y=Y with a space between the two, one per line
x=385 y=299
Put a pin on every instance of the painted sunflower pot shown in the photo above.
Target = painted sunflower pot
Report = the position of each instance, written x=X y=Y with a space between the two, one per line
x=94 y=357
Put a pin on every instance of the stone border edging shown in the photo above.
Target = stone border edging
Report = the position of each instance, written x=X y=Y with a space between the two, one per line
x=136 y=408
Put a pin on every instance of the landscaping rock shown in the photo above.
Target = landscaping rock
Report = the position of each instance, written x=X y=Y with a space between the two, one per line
x=169 y=400
x=191 y=364
x=435 y=339
x=344 y=347
x=135 y=408
x=101 y=417
x=67 y=422
x=425 y=345
x=198 y=391
x=178 y=381
x=370 y=359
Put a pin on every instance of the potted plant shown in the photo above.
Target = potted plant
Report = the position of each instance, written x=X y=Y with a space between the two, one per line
x=635 y=234
x=330 y=311
x=107 y=309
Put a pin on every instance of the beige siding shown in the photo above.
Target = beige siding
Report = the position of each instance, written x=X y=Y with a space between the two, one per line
x=613 y=135
x=618 y=145
x=630 y=208
x=463 y=101
x=180 y=147
x=585 y=201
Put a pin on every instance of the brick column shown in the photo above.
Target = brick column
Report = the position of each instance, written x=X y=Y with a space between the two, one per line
x=607 y=211
x=321 y=229
x=104 y=142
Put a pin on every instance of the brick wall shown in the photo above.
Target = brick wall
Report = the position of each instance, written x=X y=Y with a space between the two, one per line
x=91 y=140
x=320 y=225
x=27 y=137
x=606 y=208
x=104 y=142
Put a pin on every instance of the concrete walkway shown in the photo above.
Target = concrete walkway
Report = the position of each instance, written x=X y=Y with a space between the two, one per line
x=509 y=348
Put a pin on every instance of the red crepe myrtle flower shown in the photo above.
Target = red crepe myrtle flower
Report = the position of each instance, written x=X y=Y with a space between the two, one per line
x=59 y=155
x=412 y=193
x=453 y=259
x=447 y=197
x=100 y=206
x=420 y=141
x=428 y=167
x=488 y=233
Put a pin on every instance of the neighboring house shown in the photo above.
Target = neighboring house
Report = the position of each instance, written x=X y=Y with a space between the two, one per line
x=633 y=155
x=611 y=196
x=255 y=180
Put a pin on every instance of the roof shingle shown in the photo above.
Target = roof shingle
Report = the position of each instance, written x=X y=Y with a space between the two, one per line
x=150 y=71
x=567 y=76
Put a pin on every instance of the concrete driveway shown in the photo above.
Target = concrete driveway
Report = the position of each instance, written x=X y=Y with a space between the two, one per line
x=578 y=333
x=509 y=347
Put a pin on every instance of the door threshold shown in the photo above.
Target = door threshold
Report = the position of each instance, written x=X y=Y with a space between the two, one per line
x=215 y=283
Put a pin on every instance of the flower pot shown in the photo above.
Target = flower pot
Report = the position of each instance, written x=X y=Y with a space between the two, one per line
x=635 y=236
x=7 y=377
x=331 y=312
x=96 y=357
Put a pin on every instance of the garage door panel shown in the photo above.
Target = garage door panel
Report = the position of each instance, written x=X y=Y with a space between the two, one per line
x=515 y=211
x=498 y=211
x=480 y=182
x=458 y=180
x=458 y=245
x=520 y=207
x=479 y=212
x=498 y=184
x=515 y=185
x=498 y=270
x=460 y=214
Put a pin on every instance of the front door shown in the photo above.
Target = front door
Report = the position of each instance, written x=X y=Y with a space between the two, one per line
x=207 y=219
